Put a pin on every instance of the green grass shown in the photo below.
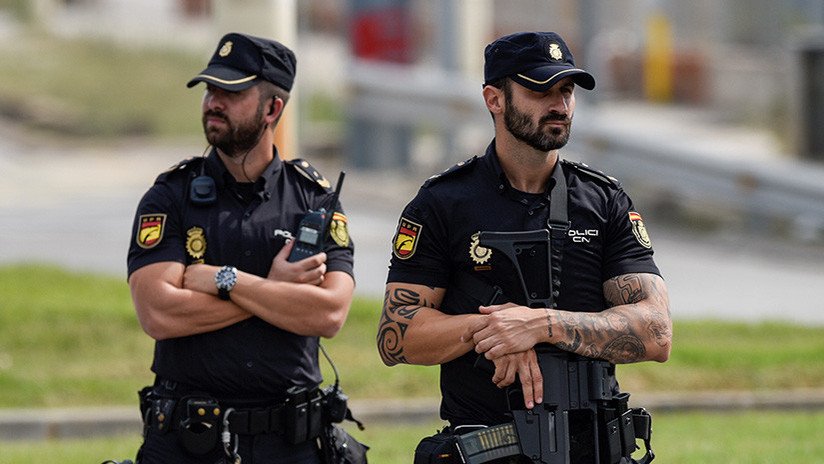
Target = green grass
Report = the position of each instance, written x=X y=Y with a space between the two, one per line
x=694 y=438
x=94 y=89
x=71 y=339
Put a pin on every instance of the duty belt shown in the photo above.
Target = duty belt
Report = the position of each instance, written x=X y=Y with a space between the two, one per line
x=298 y=417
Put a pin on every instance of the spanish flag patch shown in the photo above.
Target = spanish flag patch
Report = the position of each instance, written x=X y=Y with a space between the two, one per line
x=150 y=230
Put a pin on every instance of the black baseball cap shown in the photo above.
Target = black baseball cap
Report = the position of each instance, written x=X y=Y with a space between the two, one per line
x=536 y=60
x=241 y=61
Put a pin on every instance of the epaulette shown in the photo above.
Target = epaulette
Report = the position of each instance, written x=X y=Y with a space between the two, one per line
x=594 y=173
x=309 y=172
x=452 y=170
x=183 y=166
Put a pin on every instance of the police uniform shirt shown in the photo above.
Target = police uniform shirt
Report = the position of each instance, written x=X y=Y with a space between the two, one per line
x=436 y=245
x=246 y=227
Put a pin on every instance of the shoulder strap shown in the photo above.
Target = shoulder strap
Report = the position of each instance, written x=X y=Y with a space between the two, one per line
x=453 y=169
x=309 y=172
x=592 y=173
x=558 y=217
x=558 y=223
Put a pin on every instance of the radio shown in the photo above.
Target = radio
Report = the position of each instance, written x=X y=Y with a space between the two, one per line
x=312 y=229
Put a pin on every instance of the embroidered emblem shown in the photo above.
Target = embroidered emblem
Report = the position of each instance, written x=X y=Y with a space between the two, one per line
x=150 y=231
x=555 y=52
x=639 y=230
x=195 y=243
x=479 y=254
x=338 y=229
x=406 y=239
x=225 y=49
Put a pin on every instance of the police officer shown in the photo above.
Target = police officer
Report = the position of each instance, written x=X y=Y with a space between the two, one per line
x=611 y=302
x=236 y=322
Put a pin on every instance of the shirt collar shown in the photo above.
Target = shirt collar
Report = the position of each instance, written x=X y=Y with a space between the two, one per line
x=502 y=186
x=217 y=170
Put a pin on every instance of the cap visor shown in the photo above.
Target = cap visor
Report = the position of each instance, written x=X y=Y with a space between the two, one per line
x=542 y=79
x=225 y=78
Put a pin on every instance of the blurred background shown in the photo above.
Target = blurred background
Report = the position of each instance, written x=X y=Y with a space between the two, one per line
x=711 y=114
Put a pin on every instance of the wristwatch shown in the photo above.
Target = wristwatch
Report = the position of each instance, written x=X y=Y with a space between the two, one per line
x=225 y=280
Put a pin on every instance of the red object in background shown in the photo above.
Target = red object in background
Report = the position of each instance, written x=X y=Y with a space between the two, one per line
x=383 y=34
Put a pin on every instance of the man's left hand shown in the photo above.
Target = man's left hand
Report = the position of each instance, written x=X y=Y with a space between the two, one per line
x=525 y=366
x=310 y=270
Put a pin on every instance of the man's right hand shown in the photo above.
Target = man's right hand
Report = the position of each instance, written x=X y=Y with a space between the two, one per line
x=525 y=365
x=306 y=271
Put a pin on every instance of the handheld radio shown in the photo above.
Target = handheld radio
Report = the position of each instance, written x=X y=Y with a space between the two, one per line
x=312 y=229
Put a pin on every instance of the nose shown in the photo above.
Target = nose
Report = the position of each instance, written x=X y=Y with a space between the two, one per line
x=559 y=103
x=212 y=99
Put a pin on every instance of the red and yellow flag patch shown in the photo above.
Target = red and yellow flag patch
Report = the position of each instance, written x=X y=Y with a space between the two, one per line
x=639 y=230
x=406 y=238
x=150 y=230
x=338 y=229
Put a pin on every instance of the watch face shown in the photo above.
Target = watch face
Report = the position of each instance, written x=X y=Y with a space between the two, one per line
x=226 y=278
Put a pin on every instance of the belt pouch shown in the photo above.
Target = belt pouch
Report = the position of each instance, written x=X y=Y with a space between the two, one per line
x=440 y=448
x=199 y=430
x=613 y=439
x=161 y=414
x=315 y=420
x=297 y=415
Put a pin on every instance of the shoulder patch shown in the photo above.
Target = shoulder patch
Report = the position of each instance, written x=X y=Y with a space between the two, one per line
x=455 y=168
x=150 y=230
x=406 y=237
x=591 y=172
x=309 y=172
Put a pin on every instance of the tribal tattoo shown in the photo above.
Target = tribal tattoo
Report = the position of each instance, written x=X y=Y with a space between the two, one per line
x=399 y=305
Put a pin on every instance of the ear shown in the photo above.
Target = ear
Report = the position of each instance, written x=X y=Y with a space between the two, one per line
x=275 y=108
x=494 y=99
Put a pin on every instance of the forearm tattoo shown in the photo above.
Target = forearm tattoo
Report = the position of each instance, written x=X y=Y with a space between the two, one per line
x=400 y=305
x=615 y=336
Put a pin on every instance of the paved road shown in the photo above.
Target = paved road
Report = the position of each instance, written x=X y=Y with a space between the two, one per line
x=73 y=206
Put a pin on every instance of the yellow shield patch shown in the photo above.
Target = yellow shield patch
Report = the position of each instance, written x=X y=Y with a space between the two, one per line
x=406 y=238
x=338 y=229
x=150 y=230
x=639 y=230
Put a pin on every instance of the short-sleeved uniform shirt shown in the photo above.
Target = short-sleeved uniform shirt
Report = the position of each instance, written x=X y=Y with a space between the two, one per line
x=436 y=242
x=245 y=227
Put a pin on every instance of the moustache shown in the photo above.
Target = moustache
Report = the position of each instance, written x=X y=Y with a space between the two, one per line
x=215 y=114
x=552 y=117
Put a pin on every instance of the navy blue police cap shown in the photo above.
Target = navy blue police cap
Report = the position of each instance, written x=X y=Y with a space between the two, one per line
x=241 y=61
x=536 y=60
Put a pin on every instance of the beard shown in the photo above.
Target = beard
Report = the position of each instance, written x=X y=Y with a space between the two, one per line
x=236 y=138
x=521 y=127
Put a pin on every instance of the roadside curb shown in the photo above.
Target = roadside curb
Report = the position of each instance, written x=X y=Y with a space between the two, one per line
x=92 y=422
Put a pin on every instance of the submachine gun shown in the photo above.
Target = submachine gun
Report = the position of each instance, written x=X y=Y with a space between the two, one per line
x=580 y=420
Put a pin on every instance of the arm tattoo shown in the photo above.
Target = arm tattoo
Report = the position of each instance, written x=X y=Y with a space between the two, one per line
x=625 y=289
x=399 y=305
x=617 y=337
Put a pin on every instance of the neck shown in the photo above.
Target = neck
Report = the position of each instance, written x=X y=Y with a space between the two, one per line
x=527 y=169
x=249 y=166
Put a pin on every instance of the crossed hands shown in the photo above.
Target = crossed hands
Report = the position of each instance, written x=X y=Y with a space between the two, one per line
x=201 y=277
x=506 y=336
